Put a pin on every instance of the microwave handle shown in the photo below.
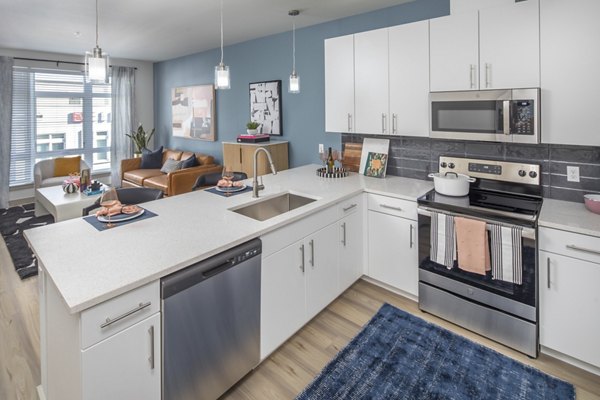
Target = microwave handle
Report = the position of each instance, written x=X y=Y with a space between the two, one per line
x=506 y=116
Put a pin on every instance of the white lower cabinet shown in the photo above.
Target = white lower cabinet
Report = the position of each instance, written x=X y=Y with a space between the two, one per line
x=392 y=252
x=351 y=245
x=126 y=365
x=569 y=266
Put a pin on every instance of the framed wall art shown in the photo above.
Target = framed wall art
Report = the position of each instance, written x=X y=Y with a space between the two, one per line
x=194 y=112
x=265 y=106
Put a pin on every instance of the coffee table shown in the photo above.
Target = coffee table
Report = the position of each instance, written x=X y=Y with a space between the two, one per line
x=53 y=200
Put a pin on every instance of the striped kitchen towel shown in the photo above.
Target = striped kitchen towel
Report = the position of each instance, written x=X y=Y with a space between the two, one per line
x=507 y=256
x=443 y=239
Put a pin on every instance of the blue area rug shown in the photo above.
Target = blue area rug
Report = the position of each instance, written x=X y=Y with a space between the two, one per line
x=400 y=356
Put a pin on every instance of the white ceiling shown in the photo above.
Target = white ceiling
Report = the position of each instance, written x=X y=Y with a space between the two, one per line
x=156 y=30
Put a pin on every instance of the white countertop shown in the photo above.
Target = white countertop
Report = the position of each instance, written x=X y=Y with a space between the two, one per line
x=569 y=216
x=88 y=266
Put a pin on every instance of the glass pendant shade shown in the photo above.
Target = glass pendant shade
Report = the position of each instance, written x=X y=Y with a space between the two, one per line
x=294 y=86
x=96 y=66
x=222 y=80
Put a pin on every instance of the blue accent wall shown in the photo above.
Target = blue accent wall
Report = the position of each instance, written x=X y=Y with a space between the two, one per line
x=269 y=58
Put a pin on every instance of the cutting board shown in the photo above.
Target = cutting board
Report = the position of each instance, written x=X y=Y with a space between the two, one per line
x=351 y=155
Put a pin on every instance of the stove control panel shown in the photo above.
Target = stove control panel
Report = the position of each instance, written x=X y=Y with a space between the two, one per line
x=491 y=169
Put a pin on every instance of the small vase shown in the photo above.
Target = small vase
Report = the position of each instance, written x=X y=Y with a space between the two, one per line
x=137 y=155
x=252 y=131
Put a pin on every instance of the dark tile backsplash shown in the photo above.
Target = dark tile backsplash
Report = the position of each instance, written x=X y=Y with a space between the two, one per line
x=414 y=157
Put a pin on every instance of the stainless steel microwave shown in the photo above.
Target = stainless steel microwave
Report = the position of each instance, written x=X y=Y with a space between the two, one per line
x=510 y=115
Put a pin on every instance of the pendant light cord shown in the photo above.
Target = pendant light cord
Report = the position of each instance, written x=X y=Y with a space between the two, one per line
x=221 y=32
x=294 y=46
x=96 y=23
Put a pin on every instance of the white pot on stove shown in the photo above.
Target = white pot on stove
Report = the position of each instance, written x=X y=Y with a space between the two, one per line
x=451 y=183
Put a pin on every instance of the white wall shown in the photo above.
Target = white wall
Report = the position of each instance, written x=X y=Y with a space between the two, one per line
x=144 y=88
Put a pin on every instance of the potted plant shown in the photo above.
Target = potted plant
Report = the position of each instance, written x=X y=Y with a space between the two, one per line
x=252 y=127
x=140 y=139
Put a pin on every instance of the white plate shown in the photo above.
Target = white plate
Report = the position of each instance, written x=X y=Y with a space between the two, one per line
x=231 y=189
x=120 y=217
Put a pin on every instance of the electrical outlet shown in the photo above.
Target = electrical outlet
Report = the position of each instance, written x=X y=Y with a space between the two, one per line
x=321 y=148
x=572 y=174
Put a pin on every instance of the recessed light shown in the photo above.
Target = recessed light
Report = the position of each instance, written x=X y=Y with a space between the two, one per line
x=77 y=34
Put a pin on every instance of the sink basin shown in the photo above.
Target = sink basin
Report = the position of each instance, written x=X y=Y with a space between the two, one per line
x=273 y=206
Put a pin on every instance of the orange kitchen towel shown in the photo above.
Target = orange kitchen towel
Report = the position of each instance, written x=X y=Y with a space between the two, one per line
x=472 y=245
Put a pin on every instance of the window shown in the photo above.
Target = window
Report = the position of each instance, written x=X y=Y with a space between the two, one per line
x=55 y=113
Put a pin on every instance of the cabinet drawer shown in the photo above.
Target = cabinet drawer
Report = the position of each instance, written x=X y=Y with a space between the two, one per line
x=114 y=315
x=350 y=206
x=393 y=206
x=570 y=244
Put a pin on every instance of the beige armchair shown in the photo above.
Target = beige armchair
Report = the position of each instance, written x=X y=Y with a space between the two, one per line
x=43 y=173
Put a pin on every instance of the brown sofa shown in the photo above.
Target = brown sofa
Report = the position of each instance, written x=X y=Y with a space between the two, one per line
x=177 y=182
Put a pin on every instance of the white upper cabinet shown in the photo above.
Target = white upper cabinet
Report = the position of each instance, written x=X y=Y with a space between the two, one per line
x=570 y=57
x=493 y=48
x=409 y=79
x=454 y=52
x=371 y=82
x=509 y=47
x=339 y=84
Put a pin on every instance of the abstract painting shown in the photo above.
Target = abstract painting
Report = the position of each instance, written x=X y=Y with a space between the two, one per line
x=194 y=112
x=265 y=106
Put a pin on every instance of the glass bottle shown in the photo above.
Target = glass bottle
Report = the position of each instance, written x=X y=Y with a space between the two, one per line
x=330 y=162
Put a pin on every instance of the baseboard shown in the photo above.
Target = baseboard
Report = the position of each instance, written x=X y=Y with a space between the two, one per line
x=570 y=360
x=390 y=288
x=40 y=392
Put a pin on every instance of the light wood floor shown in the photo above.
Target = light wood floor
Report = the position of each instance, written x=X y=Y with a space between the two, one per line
x=281 y=376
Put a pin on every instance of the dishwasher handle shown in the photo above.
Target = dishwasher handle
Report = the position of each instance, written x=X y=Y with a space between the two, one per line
x=218 y=269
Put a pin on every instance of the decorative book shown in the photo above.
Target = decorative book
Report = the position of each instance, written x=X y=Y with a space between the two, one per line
x=376 y=165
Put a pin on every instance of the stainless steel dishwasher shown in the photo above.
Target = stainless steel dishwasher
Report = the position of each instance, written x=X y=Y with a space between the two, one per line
x=211 y=324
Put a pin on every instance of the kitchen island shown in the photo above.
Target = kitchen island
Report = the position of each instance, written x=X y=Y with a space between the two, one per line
x=86 y=273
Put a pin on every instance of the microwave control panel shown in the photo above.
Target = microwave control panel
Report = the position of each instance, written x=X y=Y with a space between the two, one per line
x=522 y=112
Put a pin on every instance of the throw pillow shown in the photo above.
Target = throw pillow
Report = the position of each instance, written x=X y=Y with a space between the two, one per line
x=151 y=159
x=171 y=165
x=189 y=162
x=64 y=166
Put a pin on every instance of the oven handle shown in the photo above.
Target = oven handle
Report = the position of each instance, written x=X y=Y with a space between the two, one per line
x=528 y=233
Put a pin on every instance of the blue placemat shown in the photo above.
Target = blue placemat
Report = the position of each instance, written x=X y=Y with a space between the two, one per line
x=101 y=226
x=228 y=194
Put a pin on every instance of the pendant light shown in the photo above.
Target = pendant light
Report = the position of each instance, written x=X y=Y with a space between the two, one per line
x=222 y=80
x=294 y=85
x=96 y=63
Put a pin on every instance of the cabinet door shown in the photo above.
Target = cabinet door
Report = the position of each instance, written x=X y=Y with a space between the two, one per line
x=371 y=82
x=393 y=257
x=351 y=250
x=126 y=365
x=339 y=84
x=262 y=164
x=454 y=52
x=409 y=79
x=569 y=302
x=570 y=57
x=321 y=260
x=509 y=58
x=283 y=303
x=232 y=156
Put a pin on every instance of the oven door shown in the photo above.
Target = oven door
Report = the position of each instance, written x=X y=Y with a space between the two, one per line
x=519 y=300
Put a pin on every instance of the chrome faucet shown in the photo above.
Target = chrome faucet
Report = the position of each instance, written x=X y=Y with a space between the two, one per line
x=255 y=185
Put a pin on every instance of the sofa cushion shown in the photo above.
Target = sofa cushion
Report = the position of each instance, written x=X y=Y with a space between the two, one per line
x=152 y=159
x=173 y=154
x=157 y=182
x=171 y=165
x=204 y=159
x=63 y=166
x=189 y=162
x=139 y=176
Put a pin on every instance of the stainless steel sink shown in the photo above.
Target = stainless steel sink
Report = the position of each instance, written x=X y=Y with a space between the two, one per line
x=274 y=206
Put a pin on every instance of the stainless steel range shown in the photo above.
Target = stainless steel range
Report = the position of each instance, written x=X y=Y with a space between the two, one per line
x=499 y=302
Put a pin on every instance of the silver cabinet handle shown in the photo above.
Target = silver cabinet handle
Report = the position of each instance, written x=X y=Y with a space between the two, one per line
x=312 y=252
x=472 y=75
x=151 y=358
x=488 y=68
x=506 y=116
x=390 y=207
x=548 y=271
x=344 y=234
x=573 y=247
x=394 y=123
x=350 y=207
x=411 y=236
x=302 y=256
x=110 y=321
x=349 y=122
x=383 y=117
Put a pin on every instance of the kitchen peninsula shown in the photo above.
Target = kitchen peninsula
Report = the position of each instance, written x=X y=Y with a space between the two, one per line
x=83 y=282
